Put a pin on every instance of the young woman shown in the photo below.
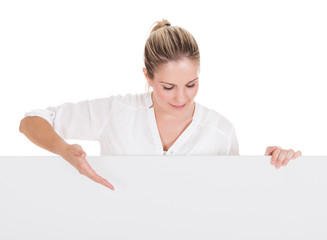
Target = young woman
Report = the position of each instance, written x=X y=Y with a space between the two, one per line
x=166 y=121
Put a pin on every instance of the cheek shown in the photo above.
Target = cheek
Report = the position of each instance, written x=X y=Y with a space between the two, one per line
x=193 y=92
x=163 y=95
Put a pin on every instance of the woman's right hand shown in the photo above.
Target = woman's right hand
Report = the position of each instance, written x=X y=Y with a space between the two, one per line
x=75 y=155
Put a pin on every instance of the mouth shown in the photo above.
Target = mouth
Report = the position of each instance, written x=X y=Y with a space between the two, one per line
x=178 y=107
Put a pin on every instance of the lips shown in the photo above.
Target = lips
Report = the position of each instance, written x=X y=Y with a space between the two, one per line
x=178 y=107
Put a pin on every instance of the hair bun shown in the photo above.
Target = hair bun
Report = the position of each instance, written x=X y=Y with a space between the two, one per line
x=160 y=24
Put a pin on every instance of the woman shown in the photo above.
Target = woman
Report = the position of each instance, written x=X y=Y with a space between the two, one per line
x=166 y=121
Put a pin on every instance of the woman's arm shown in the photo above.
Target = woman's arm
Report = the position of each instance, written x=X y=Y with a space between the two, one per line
x=41 y=133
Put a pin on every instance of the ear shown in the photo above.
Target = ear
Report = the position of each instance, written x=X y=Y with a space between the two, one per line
x=147 y=77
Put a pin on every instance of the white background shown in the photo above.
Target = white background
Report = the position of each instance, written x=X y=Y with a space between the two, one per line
x=263 y=63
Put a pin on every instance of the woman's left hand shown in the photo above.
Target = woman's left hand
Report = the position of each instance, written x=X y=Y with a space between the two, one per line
x=280 y=157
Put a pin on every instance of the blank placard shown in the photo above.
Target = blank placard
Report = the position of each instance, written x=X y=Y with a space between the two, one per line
x=164 y=197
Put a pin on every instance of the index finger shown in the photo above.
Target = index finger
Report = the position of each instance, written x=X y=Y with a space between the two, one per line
x=90 y=173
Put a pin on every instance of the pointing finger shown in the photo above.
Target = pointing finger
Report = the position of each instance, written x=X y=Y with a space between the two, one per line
x=90 y=173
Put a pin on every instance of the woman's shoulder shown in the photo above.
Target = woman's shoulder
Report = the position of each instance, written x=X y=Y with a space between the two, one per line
x=214 y=120
x=128 y=100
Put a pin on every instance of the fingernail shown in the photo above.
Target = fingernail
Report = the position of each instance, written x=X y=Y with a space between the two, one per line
x=272 y=162
x=111 y=187
x=277 y=166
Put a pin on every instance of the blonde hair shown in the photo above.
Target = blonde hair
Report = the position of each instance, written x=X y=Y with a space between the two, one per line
x=168 y=43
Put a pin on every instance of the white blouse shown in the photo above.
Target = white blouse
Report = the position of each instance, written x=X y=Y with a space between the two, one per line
x=126 y=125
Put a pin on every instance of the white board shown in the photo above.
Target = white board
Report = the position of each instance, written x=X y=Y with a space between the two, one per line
x=164 y=197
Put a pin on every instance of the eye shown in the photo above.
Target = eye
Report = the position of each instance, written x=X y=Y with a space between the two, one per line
x=168 y=88
x=189 y=86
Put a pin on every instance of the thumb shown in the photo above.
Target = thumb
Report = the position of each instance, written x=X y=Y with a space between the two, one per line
x=270 y=150
x=80 y=153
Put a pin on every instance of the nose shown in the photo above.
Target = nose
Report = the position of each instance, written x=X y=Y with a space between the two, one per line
x=179 y=98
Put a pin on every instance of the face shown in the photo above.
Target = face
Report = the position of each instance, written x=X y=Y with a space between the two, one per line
x=175 y=85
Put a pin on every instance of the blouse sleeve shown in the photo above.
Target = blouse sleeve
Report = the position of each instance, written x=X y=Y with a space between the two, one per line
x=234 y=148
x=83 y=120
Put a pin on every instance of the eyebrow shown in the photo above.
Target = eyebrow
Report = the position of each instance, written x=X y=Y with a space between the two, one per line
x=186 y=83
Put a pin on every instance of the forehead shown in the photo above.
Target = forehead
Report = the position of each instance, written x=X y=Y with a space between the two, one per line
x=177 y=72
